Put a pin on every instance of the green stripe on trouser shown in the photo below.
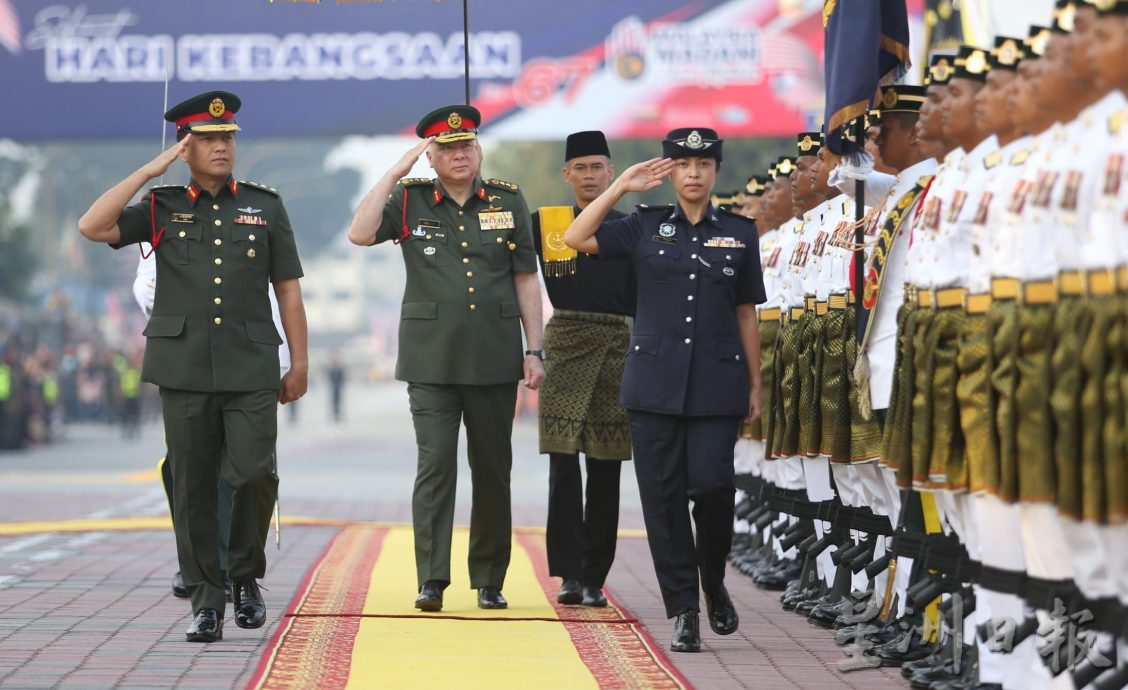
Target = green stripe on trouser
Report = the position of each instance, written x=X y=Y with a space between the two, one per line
x=763 y=428
x=1116 y=450
x=1032 y=405
x=977 y=403
x=919 y=419
x=1003 y=317
x=948 y=467
x=865 y=434
x=834 y=413
x=1094 y=362
x=810 y=411
x=1071 y=322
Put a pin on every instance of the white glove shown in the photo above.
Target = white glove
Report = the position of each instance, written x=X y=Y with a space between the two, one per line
x=845 y=171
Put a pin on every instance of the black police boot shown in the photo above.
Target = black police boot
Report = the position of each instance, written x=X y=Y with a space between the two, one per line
x=430 y=596
x=250 y=609
x=687 y=633
x=207 y=626
x=571 y=593
x=178 y=589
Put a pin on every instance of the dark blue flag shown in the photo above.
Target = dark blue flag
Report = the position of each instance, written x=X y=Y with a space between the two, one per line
x=866 y=40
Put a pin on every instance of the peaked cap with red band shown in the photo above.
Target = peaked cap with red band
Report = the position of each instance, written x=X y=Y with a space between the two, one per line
x=450 y=123
x=213 y=111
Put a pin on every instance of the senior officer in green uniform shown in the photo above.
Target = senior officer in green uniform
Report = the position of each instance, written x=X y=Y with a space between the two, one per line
x=471 y=273
x=212 y=346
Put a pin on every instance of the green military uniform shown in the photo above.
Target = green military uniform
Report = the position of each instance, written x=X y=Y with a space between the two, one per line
x=213 y=351
x=460 y=350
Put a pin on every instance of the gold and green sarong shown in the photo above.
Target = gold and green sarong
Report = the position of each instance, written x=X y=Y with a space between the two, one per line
x=947 y=466
x=1033 y=416
x=585 y=354
x=1115 y=446
x=789 y=387
x=763 y=428
x=783 y=382
x=896 y=441
x=1094 y=363
x=833 y=400
x=1071 y=323
x=1003 y=319
x=918 y=421
x=976 y=397
x=865 y=434
x=810 y=411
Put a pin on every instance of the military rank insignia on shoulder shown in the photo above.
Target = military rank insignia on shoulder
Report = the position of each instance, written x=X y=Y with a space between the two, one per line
x=494 y=182
x=992 y=159
x=413 y=181
x=260 y=186
x=1020 y=157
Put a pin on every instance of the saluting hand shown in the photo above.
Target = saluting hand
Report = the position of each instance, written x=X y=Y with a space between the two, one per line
x=159 y=165
x=293 y=386
x=644 y=176
x=404 y=165
x=534 y=372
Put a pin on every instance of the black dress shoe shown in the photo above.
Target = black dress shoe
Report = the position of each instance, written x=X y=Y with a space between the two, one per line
x=722 y=614
x=490 y=598
x=430 y=596
x=178 y=589
x=593 y=596
x=207 y=626
x=687 y=633
x=571 y=593
x=250 y=609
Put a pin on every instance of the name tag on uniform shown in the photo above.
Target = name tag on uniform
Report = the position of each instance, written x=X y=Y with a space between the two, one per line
x=183 y=218
x=250 y=220
x=664 y=240
x=727 y=242
x=496 y=220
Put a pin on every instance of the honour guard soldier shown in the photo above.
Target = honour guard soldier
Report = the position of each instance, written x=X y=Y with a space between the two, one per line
x=212 y=347
x=471 y=275
x=692 y=371
x=586 y=344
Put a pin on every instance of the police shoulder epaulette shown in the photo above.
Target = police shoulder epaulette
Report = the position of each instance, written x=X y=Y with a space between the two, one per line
x=1116 y=121
x=259 y=186
x=660 y=207
x=412 y=181
x=992 y=159
x=1020 y=157
x=494 y=182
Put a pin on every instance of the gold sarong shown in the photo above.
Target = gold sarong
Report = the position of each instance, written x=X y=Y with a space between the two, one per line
x=1115 y=448
x=947 y=466
x=833 y=396
x=865 y=434
x=919 y=420
x=1071 y=323
x=761 y=429
x=1003 y=317
x=1033 y=417
x=1094 y=364
x=810 y=411
x=977 y=403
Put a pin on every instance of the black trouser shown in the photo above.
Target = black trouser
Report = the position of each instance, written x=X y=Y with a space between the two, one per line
x=677 y=460
x=581 y=538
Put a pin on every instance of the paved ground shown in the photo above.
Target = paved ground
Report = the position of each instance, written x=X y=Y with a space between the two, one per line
x=93 y=609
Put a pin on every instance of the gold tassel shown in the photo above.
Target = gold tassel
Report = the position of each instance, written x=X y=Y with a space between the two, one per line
x=862 y=380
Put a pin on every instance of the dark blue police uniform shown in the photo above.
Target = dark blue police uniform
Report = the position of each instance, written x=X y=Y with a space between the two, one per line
x=686 y=383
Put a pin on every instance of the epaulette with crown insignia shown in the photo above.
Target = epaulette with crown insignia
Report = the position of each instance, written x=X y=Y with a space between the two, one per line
x=412 y=181
x=259 y=186
x=494 y=182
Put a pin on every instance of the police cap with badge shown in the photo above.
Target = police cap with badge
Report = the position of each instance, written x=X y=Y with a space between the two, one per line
x=757 y=185
x=901 y=98
x=692 y=142
x=450 y=123
x=972 y=63
x=808 y=143
x=213 y=111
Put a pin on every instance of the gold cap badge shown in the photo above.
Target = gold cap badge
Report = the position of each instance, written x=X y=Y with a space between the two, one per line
x=454 y=121
x=217 y=108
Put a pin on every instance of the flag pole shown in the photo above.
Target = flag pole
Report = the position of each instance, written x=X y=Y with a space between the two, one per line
x=466 y=46
x=859 y=231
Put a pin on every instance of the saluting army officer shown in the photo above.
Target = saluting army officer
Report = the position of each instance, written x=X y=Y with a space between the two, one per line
x=471 y=274
x=693 y=368
x=212 y=347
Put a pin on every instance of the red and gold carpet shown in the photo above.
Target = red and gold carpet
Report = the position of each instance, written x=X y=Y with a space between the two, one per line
x=352 y=625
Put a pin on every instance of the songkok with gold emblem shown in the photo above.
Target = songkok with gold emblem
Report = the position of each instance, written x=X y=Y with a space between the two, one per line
x=772 y=171
x=1064 y=13
x=1111 y=6
x=213 y=111
x=901 y=98
x=757 y=185
x=971 y=63
x=785 y=166
x=941 y=66
x=690 y=142
x=1036 y=41
x=1007 y=53
x=450 y=123
x=808 y=143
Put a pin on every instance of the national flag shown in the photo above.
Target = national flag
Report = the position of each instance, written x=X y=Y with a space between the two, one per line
x=866 y=41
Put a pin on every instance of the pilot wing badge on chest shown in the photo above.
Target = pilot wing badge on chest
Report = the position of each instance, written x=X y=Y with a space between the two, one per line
x=496 y=220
